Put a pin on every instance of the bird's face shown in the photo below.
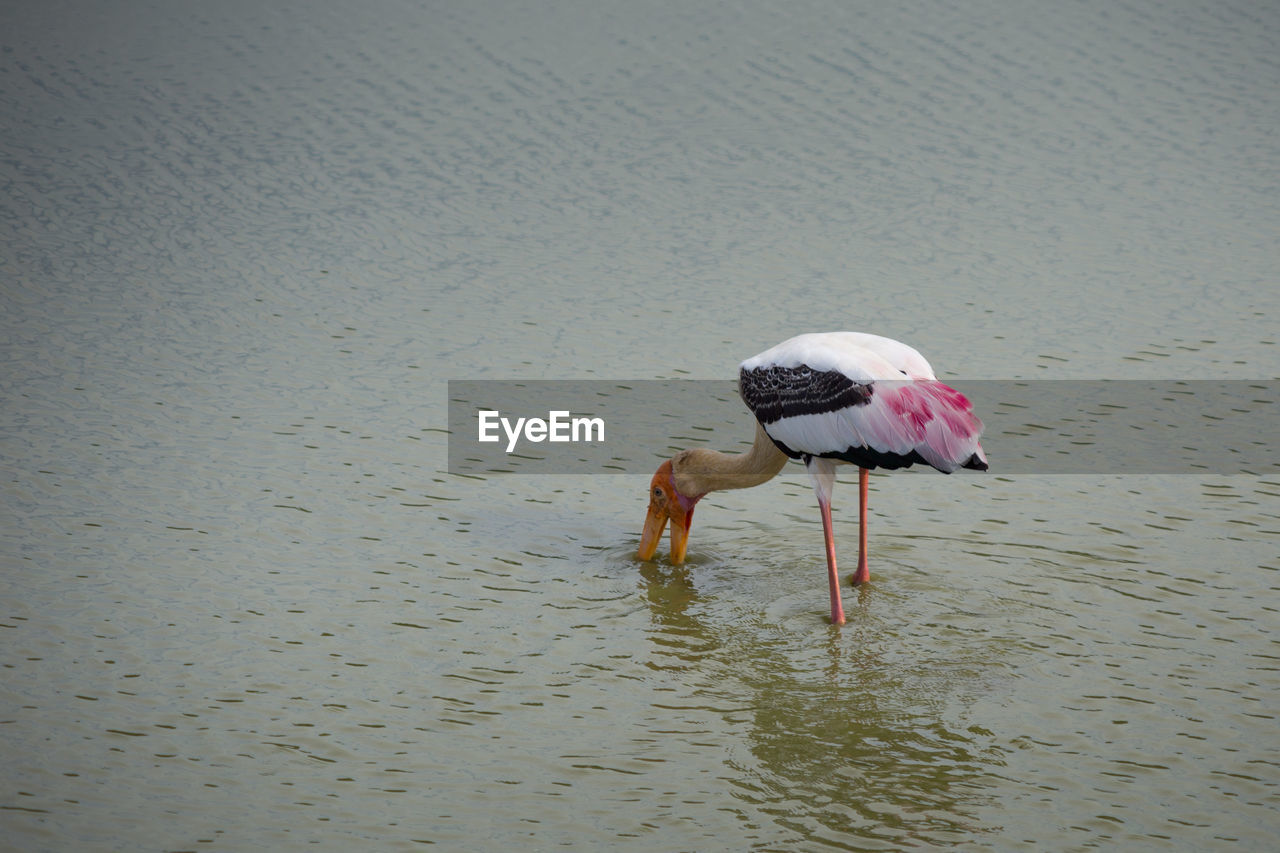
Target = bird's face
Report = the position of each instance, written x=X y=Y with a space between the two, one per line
x=666 y=504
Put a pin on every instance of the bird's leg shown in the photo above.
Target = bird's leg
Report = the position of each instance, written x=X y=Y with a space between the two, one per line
x=833 y=575
x=863 y=574
x=823 y=474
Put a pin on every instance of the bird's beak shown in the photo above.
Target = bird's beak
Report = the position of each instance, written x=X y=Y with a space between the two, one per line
x=666 y=504
x=654 y=523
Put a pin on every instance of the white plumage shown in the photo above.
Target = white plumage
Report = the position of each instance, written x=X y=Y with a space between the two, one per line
x=858 y=355
x=902 y=415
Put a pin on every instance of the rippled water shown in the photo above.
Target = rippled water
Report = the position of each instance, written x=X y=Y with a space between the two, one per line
x=244 y=603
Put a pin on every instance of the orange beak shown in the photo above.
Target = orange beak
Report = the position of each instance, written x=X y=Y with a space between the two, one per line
x=666 y=504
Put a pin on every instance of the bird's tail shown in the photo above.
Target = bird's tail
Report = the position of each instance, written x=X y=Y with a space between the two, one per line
x=978 y=461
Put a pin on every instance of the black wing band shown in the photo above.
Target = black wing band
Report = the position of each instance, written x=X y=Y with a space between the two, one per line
x=773 y=393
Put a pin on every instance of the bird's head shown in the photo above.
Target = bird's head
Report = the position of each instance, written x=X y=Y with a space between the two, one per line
x=666 y=503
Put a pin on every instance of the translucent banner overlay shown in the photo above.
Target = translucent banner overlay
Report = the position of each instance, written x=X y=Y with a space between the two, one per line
x=1053 y=426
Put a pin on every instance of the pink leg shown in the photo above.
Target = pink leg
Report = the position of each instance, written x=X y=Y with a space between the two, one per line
x=863 y=574
x=833 y=577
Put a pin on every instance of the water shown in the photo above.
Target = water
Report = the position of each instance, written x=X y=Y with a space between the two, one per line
x=245 y=604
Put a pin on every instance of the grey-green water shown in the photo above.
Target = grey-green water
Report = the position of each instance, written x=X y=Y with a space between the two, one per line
x=245 y=605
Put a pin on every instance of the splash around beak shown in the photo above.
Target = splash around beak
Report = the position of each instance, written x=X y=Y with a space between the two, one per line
x=666 y=505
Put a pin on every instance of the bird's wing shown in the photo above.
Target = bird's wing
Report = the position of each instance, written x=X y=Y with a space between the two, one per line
x=869 y=422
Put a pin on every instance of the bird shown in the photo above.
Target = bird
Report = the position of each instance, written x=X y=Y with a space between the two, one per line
x=824 y=398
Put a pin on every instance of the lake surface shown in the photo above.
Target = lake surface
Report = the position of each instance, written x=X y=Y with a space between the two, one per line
x=245 y=605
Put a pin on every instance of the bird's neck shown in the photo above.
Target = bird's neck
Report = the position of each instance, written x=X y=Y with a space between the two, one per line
x=699 y=471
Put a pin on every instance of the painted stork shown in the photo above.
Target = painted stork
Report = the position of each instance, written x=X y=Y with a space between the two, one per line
x=824 y=399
